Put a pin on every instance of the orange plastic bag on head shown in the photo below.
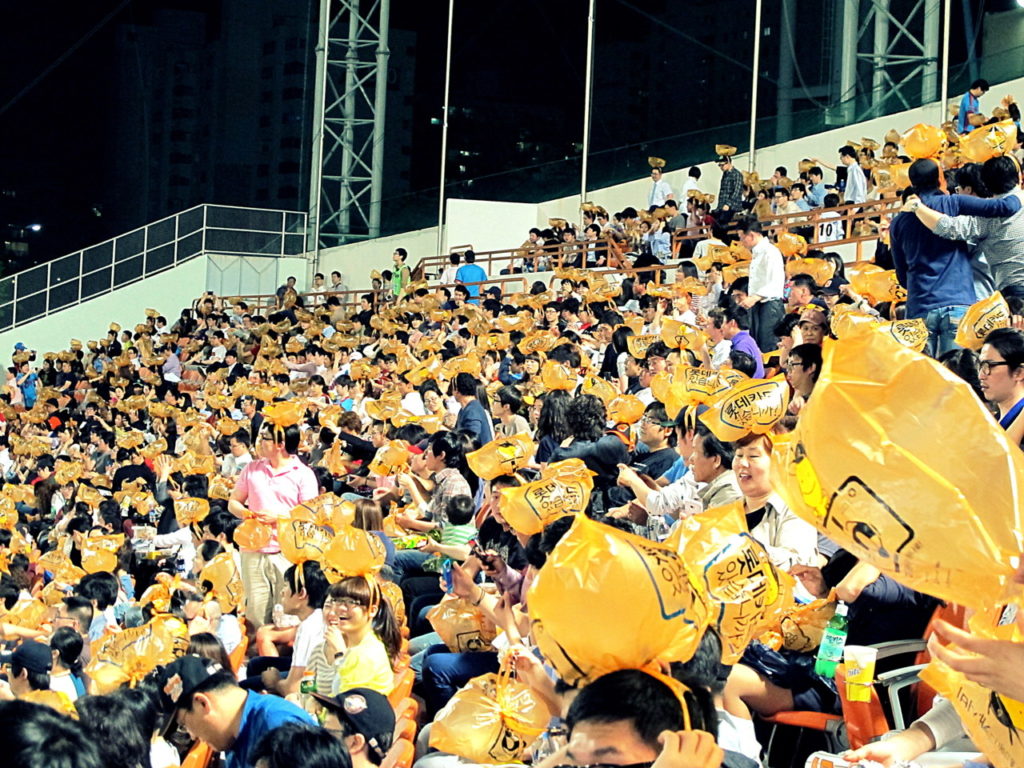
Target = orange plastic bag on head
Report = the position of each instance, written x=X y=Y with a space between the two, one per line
x=461 y=625
x=608 y=600
x=876 y=284
x=491 y=720
x=302 y=540
x=353 y=552
x=892 y=492
x=638 y=345
x=99 y=553
x=752 y=406
x=502 y=456
x=923 y=141
x=994 y=722
x=982 y=318
x=626 y=409
x=563 y=489
x=326 y=510
x=252 y=535
x=821 y=270
x=602 y=388
x=225 y=581
x=739 y=577
x=555 y=375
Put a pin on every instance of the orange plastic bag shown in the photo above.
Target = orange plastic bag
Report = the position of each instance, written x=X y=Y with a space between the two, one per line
x=821 y=270
x=190 y=510
x=909 y=333
x=99 y=553
x=626 y=409
x=302 y=540
x=563 y=489
x=391 y=459
x=353 y=552
x=679 y=335
x=225 y=581
x=923 y=141
x=988 y=141
x=875 y=284
x=555 y=375
x=602 y=388
x=981 y=319
x=252 y=535
x=608 y=600
x=130 y=655
x=752 y=406
x=461 y=625
x=493 y=719
x=790 y=244
x=686 y=385
x=800 y=627
x=892 y=492
x=502 y=456
x=638 y=345
x=738 y=575
x=994 y=722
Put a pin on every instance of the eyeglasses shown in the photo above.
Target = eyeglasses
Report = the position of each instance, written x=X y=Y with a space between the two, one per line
x=790 y=363
x=985 y=366
x=347 y=602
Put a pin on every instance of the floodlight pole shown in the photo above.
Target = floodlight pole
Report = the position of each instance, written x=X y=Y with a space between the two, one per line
x=588 y=93
x=753 y=87
x=444 y=129
x=944 y=94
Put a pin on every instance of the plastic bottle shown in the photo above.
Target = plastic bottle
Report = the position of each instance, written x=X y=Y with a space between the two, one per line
x=830 y=652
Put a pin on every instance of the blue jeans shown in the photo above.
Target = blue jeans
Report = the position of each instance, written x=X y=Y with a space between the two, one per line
x=445 y=672
x=942 y=323
x=408 y=562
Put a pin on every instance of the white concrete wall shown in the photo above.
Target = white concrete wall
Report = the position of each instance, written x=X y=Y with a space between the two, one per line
x=355 y=261
x=168 y=292
x=486 y=225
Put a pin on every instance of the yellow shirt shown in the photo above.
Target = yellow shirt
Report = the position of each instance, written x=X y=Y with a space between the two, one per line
x=365 y=666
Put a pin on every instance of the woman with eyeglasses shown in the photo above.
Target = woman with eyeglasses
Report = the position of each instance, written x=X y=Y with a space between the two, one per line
x=361 y=639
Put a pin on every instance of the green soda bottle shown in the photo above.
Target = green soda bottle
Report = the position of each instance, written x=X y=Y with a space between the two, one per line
x=830 y=652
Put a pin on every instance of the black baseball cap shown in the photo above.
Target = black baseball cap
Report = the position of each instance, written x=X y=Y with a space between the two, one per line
x=831 y=287
x=368 y=713
x=30 y=655
x=183 y=676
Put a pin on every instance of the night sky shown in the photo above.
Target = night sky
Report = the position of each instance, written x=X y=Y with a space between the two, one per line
x=518 y=72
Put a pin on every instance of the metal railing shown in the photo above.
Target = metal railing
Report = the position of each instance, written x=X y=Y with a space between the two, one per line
x=133 y=256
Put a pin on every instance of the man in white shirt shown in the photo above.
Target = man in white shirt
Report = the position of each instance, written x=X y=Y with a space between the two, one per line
x=412 y=400
x=305 y=590
x=690 y=185
x=660 y=190
x=767 y=281
x=856 y=181
x=239 y=456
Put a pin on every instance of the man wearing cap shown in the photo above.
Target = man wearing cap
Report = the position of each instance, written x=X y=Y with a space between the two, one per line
x=364 y=722
x=766 y=283
x=208 y=703
x=28 y=669
x=730 y=189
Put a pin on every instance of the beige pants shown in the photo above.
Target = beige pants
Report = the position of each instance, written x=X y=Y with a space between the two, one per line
x=263 y=578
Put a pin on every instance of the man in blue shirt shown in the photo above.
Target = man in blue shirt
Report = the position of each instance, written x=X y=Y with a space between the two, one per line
x=970 y=105
x=470 y=273
x=210 y=705
x=816 y=191
x=473 y=417
x=736 y=330
x=937 y=272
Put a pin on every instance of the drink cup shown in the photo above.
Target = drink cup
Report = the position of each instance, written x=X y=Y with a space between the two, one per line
x=860 y=671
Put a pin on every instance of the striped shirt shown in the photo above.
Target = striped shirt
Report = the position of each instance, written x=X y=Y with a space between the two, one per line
x=1000 y=239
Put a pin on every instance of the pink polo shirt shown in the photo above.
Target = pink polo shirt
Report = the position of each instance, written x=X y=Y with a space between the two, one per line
x=276 y=490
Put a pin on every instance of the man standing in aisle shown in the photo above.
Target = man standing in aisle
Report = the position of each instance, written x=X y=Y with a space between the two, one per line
x=660 y=190
x=730 y=190
x=970 y=104
x=856 y=181
x=267 y=490
x=767 y=280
